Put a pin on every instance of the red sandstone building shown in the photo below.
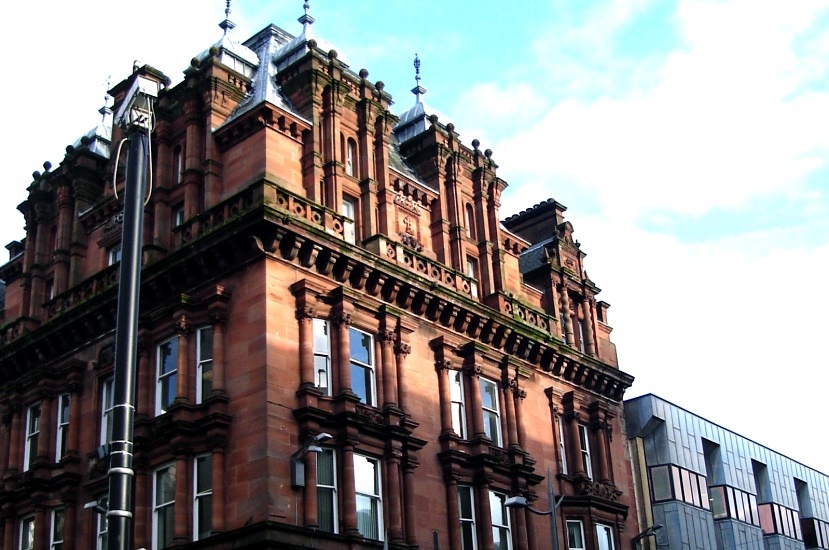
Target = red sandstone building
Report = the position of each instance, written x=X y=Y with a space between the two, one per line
x=313 y=264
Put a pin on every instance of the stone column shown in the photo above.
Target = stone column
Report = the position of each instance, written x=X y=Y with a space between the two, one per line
x=401 y=351
x=343 y=363
x=409 y=501
x=482 y=496
x=74 y=429
x=182 y=500
x=145 y=386
x=509 y=412
x=387 y=338
x=63 y=238
x=443 y=367
x=218 y=482
x=473 y=390
x=305 y=318
x=143 y=494
x=14 y=439
x=589 y=339
x=46 y=437
x=567 y=315
x=575 y=465
x=41 y=532
x=520 y=515
x=8 y=534
x=69 y=525
x=453 y=515
x=219 y=318
x=394 y=500
x=309 y=493
x=518 y=395
x=183 y=329
x=349 y=508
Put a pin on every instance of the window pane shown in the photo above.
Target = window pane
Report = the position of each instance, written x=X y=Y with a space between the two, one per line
x=365 y=475
x=204 y=473
x=489 y=394
x=167 y=356
x=165 y=490
x=492 y=427
x=325 y=509
x=360 y=346
x=205 y=518
x=465 y=502
x=686 y=486
x=321 y=344
x=206 y=343
x=467 y=535
x=703 y=489
x=718 y=507
x=661 y=483
x=361 y=383
x=766 y=518
x=677 y=479
x=575 y=539
x=325 y=468
x=367 y=517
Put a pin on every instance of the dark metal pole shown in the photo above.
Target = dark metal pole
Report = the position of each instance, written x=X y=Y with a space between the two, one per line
x=121 y=474
x=551 y=497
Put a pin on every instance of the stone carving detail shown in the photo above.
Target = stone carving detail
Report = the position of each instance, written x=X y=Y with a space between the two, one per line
x=305 y=312
x=596 y=489
x=341 y=319
x=408 y=203
x=473 y=369
x=407 y=239
x=442 y=364
x=402 y=348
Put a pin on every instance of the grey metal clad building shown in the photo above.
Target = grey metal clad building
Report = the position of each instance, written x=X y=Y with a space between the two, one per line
x=712 y=488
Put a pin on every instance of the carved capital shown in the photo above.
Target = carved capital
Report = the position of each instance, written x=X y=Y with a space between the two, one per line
x=305 y=312
x=402 y=348
x=571 y=415
x=443 y=364
x=473 y=369
x=386 y=337
x=183 y=327
x=341 y=319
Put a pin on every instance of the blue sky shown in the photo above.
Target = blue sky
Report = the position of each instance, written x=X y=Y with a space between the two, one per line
x=687 y=138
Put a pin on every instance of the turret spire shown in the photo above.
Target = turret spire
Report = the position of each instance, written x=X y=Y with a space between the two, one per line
x=306 y=18
x=418 y=90
x=227 y=24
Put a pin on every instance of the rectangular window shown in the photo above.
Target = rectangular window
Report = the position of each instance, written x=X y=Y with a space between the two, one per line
x=178 y=163
x=114 y=255
x=327 y=490
x=202 y=496
x=349 y=211
x=178 y=215
x=322 y=356
x=575 y=535
x=27 y=533
x=164 y=499
x=362 y=366
x=562 y=449
x=584 y=443
x=472 y=273
x=501 y=538
x=369 y=501
x=50 y=289
x=491 y=411
x=350 y=156
x=101 y=525
x=32 y=435
x=167 y=361
x=604 y=536
x=466 y=512
x=58 y=523
x=204 y=364
x=661 y=483
x=458 y=407
x=107 y=406
x=63 y=426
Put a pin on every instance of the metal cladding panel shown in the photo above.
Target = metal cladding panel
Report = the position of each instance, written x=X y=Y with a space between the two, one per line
x=686 y=527
x=674 y=435
x=736 y=534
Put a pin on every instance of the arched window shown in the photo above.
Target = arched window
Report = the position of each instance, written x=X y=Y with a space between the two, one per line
x=469 y=220
x=351 y=158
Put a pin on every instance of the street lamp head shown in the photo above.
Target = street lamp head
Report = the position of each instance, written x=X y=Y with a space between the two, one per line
x=324 y=436
x=517 y=502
